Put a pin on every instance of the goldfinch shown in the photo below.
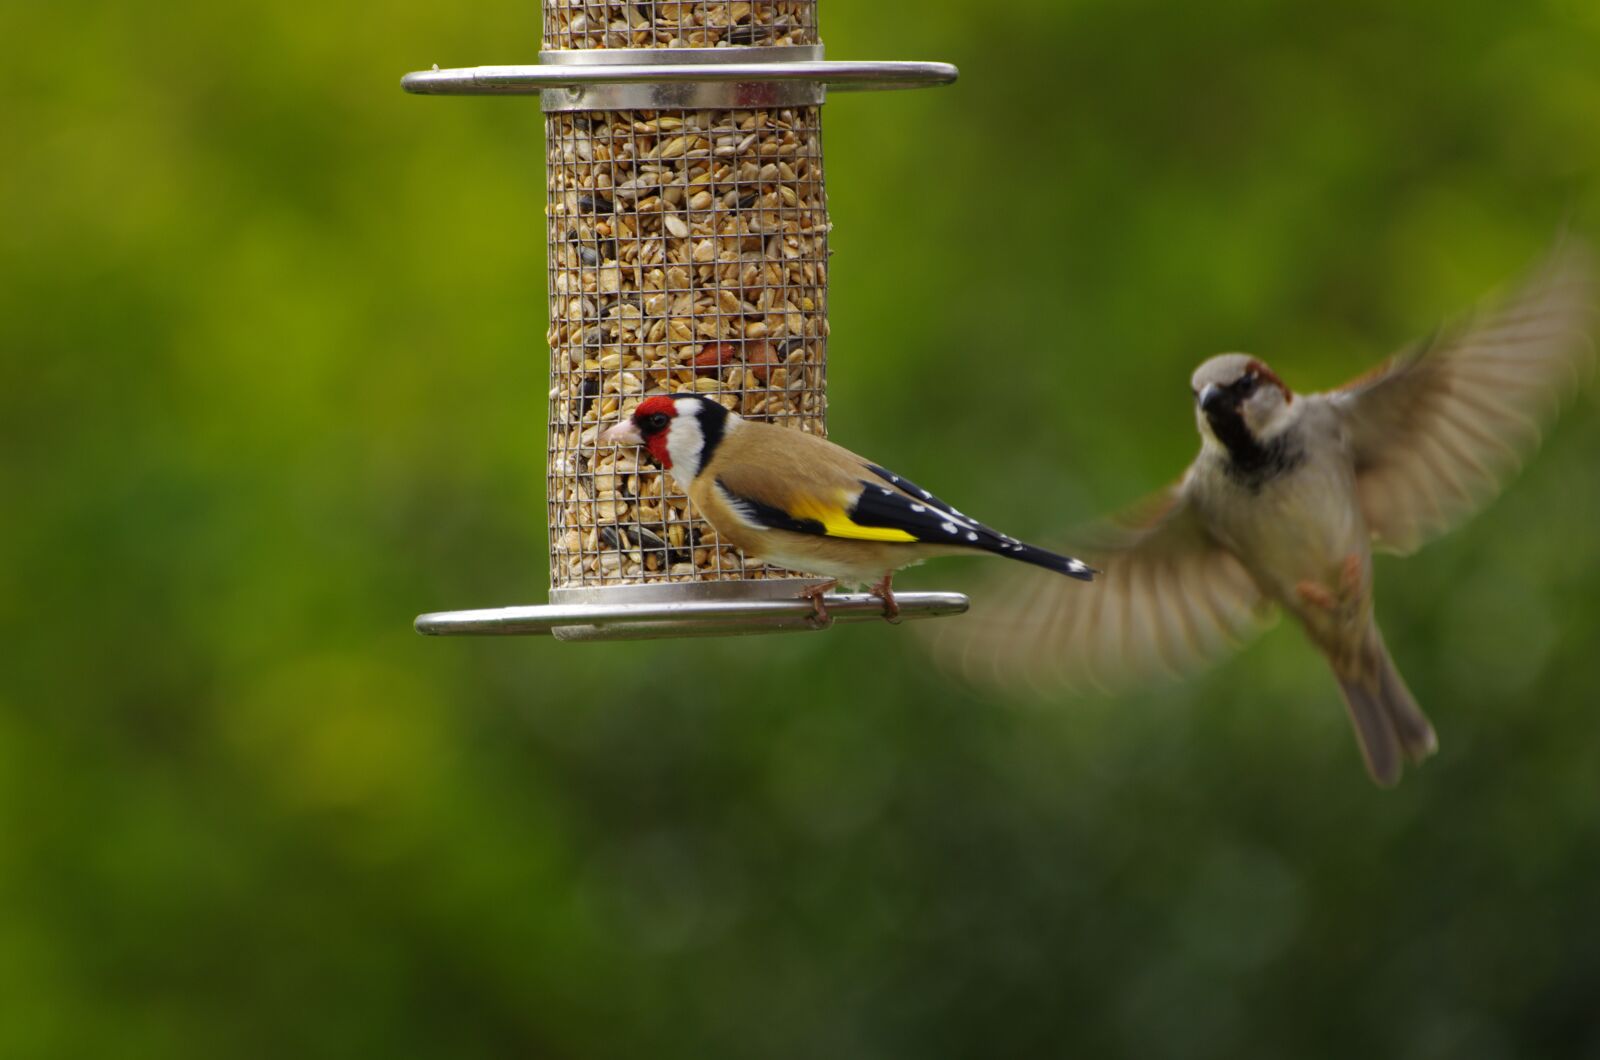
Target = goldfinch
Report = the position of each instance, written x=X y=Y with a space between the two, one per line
x=804 y=503
x=1285 y=504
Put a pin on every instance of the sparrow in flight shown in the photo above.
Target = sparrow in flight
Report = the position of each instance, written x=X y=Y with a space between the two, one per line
x=1285 y=505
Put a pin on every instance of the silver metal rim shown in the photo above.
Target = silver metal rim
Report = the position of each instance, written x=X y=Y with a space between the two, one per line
x=680 y=56
x=685 y=592
x=654 y=619
x=694 y=95
x=840 y=76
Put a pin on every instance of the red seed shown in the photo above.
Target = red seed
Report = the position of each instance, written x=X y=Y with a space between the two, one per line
x=714 y=356
x=760 y=358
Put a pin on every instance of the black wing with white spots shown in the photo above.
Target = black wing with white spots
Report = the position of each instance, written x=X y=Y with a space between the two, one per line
x=912 y=488
x=925 y=518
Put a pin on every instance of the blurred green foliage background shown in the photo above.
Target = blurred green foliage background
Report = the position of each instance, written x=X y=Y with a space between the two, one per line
x=274 y=381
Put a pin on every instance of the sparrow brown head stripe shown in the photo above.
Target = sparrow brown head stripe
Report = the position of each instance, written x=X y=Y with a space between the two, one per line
x=1259 y=367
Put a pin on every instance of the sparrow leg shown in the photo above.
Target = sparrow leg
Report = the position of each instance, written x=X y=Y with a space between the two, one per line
x=891 y=609
x=820 y=618
x=1350 y=577
x=1317 y=596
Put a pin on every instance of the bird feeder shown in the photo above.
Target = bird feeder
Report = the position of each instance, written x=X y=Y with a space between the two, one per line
x=688 y=251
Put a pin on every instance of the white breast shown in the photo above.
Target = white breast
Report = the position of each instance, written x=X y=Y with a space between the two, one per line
x=1298 y=526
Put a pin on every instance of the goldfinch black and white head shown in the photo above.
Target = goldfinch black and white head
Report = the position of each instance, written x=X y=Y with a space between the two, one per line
x=681 y=433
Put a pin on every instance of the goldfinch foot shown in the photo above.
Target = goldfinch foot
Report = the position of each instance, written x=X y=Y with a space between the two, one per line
x=891 y=608
x=820 y=617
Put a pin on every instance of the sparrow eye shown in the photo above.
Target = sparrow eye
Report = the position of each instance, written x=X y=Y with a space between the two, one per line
x=656 y=421
x=1247 y=385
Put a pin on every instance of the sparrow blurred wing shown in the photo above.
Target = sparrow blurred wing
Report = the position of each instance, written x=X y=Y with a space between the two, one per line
x=1168 y=600
x=1436 y=431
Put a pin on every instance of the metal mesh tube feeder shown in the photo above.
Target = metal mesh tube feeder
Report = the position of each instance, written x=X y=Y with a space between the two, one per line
x=688 y=251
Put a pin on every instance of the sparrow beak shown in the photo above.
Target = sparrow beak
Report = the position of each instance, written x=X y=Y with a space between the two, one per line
x=1210 y=398
x=624 y=433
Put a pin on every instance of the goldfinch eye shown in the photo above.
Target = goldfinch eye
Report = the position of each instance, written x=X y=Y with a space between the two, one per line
x=656 y=421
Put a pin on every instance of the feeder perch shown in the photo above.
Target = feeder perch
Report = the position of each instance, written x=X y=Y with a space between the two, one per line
x=688 y=251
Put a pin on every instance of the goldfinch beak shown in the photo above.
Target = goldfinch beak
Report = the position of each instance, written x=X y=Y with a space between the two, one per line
x=624 y=433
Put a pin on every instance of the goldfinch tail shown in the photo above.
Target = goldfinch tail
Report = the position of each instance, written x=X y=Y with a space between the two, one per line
x=1039 y=557
x=918 y=515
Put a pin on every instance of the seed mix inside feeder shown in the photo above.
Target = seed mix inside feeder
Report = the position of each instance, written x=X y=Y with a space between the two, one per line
x=688 y=252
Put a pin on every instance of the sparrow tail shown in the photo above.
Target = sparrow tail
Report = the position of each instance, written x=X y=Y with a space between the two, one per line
x=1386 y=717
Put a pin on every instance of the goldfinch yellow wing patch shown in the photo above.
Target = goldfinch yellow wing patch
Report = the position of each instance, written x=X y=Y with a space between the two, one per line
x=812 y=516
x=837 y=522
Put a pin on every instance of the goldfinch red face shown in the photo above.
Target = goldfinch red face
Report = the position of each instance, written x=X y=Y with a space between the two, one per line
x=679 y=432
x=649 y=426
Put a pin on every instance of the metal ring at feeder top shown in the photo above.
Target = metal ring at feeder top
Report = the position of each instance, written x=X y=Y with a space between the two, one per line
x=680 y=56
x=677 y=83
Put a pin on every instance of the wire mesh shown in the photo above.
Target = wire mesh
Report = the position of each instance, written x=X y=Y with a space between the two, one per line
x=688 y=252
x=661 y=24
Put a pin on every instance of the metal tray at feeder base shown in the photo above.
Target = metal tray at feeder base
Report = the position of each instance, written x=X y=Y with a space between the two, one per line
x=697 y=609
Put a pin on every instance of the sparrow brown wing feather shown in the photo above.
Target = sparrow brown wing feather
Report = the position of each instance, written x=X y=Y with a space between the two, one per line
x=1437 y=430
x=1169 y=599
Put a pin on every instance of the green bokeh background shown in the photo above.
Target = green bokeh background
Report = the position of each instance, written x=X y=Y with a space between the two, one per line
x=273 y=381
